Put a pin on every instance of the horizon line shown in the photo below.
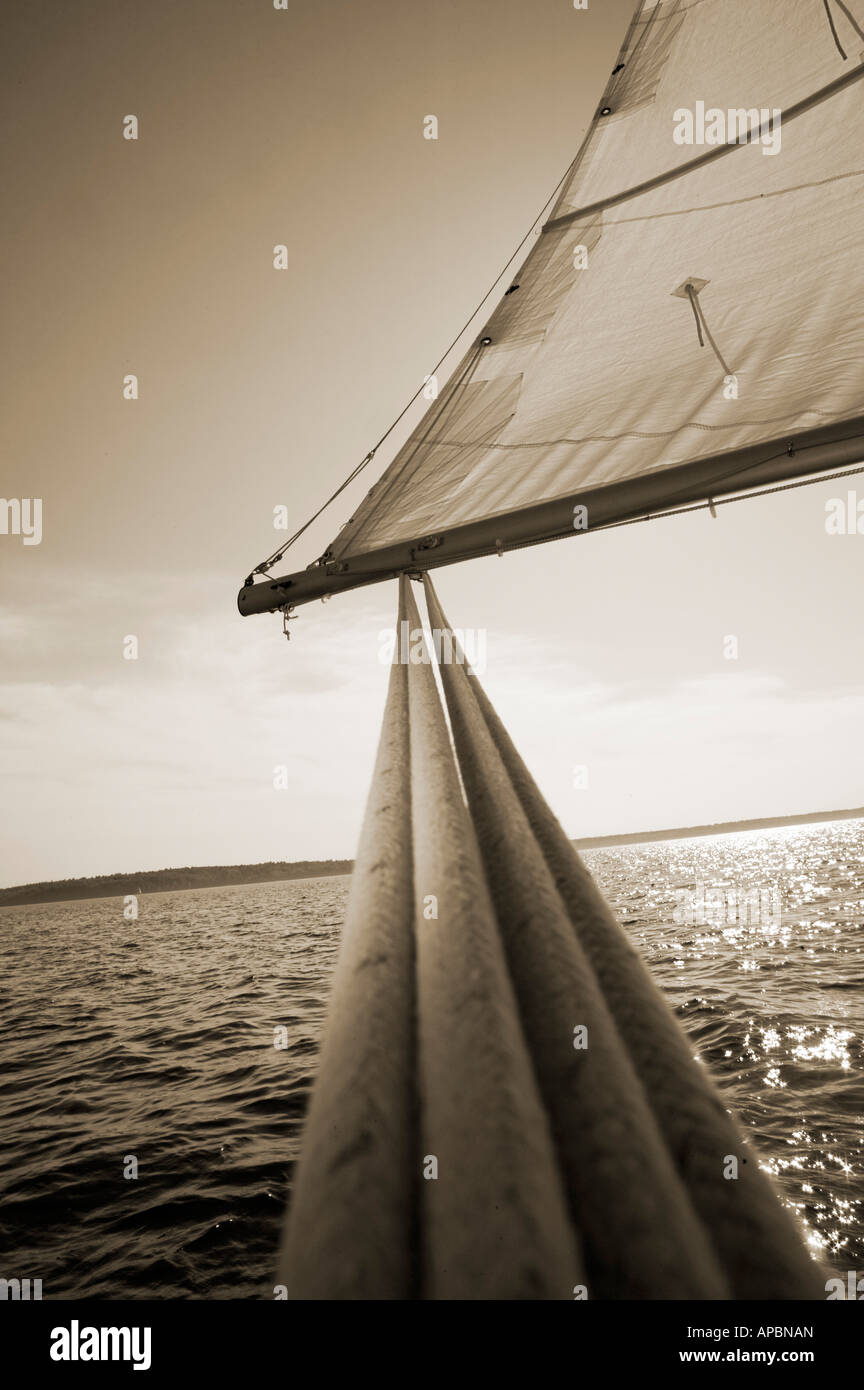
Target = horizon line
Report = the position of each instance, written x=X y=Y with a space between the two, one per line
x=345 y=866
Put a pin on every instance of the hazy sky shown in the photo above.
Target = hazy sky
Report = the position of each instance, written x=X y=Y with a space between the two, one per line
x=260 y=388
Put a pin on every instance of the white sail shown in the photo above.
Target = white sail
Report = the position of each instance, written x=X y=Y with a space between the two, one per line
x=595 y=373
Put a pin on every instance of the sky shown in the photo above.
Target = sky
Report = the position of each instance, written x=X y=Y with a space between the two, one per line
x=260 y=389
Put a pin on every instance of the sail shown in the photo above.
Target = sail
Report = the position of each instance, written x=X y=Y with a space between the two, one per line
x=687 y=322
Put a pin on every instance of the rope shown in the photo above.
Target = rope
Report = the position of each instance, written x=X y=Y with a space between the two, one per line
x=852 y=20
x=833 y=28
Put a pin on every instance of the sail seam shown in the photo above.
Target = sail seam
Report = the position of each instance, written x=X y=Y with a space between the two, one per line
x=734 y=202
x=630 y=434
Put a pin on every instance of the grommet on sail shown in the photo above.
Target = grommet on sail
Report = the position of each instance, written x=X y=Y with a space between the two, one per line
x=720 y=184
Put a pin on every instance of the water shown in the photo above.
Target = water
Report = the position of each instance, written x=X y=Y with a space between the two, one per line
x=153 y=1040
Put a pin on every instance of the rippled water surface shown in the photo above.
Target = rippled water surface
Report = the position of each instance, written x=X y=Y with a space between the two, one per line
x=153 y=1040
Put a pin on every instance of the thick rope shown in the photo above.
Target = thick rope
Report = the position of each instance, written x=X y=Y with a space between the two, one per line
x=351 y=1229
x=640 y=1234
x=431 y=1166
x=755 y=1240
x=494 y=1215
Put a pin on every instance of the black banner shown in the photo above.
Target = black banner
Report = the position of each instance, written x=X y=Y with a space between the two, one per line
x=161 y=1339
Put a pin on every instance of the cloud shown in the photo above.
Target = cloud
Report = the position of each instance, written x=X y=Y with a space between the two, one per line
x=118 y=765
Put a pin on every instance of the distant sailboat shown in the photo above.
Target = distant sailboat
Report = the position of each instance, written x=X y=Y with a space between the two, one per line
x=506 y=1107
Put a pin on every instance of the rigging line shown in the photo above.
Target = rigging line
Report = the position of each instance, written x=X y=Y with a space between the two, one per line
x=851 y=18
x=454 y=388
x=833 y=27
x=718 y=152
x=733 y=472
x=277 y=554
x=740 y=497
x=550 y=201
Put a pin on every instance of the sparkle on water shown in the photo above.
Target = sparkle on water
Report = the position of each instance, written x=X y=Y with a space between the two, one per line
x=776 y=1006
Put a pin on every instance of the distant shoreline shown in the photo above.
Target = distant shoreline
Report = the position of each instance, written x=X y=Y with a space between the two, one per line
x=234 y=875
x=692 y=832
x=170 y=881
